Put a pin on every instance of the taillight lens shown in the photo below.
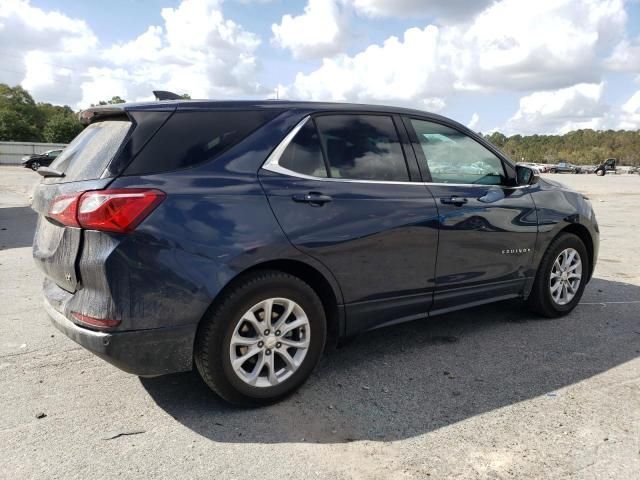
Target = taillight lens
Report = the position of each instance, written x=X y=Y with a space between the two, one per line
x=64 y=209
x=116 y=210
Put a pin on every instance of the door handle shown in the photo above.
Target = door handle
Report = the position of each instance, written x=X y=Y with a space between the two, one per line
x=312 y=198
x=458 y=201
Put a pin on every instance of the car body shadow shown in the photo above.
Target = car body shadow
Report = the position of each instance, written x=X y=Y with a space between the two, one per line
x=406 y=380
x=17 y=225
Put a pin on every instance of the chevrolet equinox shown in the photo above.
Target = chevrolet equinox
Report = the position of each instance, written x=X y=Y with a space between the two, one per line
x=246 y=237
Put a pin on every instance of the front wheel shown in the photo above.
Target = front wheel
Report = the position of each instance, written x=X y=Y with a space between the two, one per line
x=35 y=166
x=561 y=277
x=600 y=173
x=263 y=340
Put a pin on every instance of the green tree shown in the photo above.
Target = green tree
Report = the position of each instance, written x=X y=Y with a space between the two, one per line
x=18 y=100
x=498 y=139
x=62 y=128
x=14 y=127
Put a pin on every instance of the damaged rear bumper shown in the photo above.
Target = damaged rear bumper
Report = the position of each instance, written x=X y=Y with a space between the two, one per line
x=146 y=353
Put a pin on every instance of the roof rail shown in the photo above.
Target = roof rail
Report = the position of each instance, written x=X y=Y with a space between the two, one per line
x=164 y=95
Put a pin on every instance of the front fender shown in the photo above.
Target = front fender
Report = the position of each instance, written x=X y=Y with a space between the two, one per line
x=561 y=209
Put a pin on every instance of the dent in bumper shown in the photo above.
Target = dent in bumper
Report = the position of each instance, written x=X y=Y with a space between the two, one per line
x=146 y=353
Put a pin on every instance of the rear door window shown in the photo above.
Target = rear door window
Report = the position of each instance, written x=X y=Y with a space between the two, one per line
x=89 y=154
x=362 y=147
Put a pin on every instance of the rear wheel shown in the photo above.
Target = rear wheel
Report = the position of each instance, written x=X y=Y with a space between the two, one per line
x=561 y=277
x=262 y=342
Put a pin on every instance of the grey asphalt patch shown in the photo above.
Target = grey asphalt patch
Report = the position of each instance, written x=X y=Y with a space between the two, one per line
x=492 y=392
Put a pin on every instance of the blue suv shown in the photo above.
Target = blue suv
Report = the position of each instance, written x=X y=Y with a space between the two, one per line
x=246 y=237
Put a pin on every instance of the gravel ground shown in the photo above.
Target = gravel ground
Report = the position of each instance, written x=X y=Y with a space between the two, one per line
x=492 y=392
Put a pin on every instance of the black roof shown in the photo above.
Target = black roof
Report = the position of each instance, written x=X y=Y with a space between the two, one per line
x=247 y=104
x=184 y=104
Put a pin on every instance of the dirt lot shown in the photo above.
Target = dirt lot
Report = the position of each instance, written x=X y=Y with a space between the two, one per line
x=487 y=393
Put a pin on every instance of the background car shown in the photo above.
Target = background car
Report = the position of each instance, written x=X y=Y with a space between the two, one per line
x=531 y=165
x=608 y=166
x=564 y=167
x=37 y=160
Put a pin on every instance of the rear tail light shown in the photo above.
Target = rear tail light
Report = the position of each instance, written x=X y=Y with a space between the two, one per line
x=117 y=210
x=64 y=209
x=95 y=322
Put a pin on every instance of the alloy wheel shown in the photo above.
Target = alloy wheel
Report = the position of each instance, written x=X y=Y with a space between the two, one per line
x=566 y=275
x=270 y=342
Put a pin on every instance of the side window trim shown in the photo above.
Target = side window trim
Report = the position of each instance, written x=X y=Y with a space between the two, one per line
x=272 y=162
x=422 y=159
x=325 y=158
x=407 y=149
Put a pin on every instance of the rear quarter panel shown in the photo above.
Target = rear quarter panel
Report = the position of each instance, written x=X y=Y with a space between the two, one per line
x=214 y=224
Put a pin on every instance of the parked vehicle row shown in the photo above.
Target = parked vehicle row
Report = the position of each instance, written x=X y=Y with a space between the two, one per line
x=608 y=166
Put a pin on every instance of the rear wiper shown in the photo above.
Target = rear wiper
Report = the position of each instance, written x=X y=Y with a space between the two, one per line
x=49 y=172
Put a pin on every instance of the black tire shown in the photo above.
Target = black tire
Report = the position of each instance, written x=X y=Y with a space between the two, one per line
x=34 y=166
x=600 y=173
x=540 y=299
x=213 y=341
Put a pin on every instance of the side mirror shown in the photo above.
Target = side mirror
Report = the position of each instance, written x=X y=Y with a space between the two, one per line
x=527 y=175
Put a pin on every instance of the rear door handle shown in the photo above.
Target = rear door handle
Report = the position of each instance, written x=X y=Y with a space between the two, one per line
x=313 y=198
x=458 y=201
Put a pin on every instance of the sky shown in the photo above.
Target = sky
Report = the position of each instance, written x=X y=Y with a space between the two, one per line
x=516 y=66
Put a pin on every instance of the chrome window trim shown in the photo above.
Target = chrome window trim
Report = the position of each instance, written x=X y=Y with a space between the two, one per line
x=271 y=164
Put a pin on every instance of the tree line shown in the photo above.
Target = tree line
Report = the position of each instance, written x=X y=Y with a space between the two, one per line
x=24 y=120
x=581 y=147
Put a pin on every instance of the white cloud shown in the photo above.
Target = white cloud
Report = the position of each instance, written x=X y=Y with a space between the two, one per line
x=625 y=56
x=434 y=104
x=410 y=70
x=42 y=50
x=559 y=111
x=318 y=32
x=475 y=119
x=630 y=116
x=196 y=51
x=544 y=45
x=423 y=8
x=547 y=44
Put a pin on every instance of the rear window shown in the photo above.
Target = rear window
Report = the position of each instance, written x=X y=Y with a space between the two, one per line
x=191 y=138
x=362 y=147
x=89 y=154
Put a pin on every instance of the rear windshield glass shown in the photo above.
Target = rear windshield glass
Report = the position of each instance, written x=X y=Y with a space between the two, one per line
x=88 y=155
x=190 y=138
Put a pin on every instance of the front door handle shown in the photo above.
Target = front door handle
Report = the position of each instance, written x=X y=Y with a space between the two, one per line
x=458 y=201
x=312 y=198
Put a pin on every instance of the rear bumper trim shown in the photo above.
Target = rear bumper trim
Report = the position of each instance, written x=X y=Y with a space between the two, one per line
x=145 y=353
